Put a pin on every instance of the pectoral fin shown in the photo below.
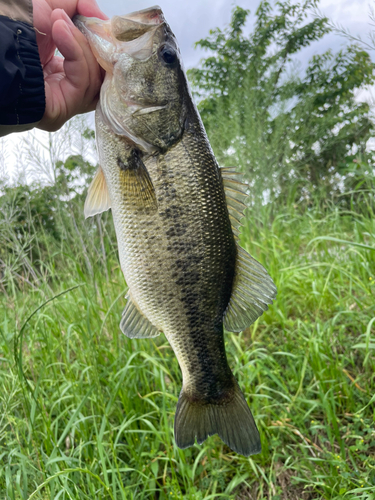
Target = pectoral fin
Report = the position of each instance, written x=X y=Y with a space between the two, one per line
x=97 y=200
x=134 y=325
x=253 y=288
x=136 y=182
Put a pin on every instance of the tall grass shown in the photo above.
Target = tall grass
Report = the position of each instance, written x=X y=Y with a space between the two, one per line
x=87 y=413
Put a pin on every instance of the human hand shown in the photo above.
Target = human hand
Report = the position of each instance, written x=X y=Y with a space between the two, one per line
x=71 y=82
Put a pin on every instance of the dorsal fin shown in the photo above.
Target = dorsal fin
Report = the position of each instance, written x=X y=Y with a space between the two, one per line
x=236 y=195
x=253 y=289
x=97 y=200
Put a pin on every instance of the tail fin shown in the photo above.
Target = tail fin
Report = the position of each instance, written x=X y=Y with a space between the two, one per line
x=232 y=421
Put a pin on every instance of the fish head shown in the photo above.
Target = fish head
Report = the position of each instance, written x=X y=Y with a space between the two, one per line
x=143 y=96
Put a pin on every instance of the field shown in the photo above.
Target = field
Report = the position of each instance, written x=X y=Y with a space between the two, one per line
x=87 y=413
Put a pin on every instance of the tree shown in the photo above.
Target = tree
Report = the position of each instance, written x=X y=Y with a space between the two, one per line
x=283 y=127
x=35 y=219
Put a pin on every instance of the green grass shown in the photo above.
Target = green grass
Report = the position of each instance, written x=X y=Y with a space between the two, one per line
x=88 y=414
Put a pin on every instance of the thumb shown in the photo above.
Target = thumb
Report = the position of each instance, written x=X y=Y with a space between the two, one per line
x=65 y=38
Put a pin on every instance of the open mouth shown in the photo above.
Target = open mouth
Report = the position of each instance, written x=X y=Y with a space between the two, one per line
x=134 y=31
x=134 y=25
x=128 y=28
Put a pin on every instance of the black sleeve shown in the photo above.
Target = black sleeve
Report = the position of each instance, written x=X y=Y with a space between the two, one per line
x=22 y=98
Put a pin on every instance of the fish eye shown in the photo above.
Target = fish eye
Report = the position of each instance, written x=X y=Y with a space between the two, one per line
x=168 y=54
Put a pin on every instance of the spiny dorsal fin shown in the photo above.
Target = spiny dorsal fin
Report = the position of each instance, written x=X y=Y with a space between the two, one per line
x=253 y=289
x=235 y=195
x=97 y=200
x=134 y=325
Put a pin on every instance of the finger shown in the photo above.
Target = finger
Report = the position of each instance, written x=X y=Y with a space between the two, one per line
x=82 y=73
x=43 y=28
x=41 y=17
x=75 y=66
x=95 y=75
x=54 y=67
x=88 y=8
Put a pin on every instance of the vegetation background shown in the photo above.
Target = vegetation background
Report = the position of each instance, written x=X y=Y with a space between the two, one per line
x=87 y=413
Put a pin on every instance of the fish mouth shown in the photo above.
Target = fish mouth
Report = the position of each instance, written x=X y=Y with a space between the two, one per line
x=134 y=25
x=135 y=32
x=91 y=26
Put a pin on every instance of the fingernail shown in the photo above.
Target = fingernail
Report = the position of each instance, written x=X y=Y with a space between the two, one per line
x=67 y=19
x=103 y=16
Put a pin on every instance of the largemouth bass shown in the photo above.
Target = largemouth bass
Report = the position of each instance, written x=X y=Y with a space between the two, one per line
x=177 y=218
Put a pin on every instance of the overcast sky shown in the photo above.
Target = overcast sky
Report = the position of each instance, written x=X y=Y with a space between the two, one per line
x=191 y=21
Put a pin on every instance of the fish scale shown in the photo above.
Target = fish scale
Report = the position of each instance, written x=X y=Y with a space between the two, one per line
x=176 y=216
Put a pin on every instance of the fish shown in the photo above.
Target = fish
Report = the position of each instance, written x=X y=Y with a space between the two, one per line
x=177 y=217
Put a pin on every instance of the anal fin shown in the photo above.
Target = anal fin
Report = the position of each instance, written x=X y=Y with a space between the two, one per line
x=134 y=325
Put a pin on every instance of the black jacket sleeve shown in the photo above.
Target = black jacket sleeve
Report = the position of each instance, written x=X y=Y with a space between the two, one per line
x=22 y=98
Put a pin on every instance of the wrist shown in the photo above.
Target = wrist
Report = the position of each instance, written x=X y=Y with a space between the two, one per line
x=22 y=10
x=22 y=97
